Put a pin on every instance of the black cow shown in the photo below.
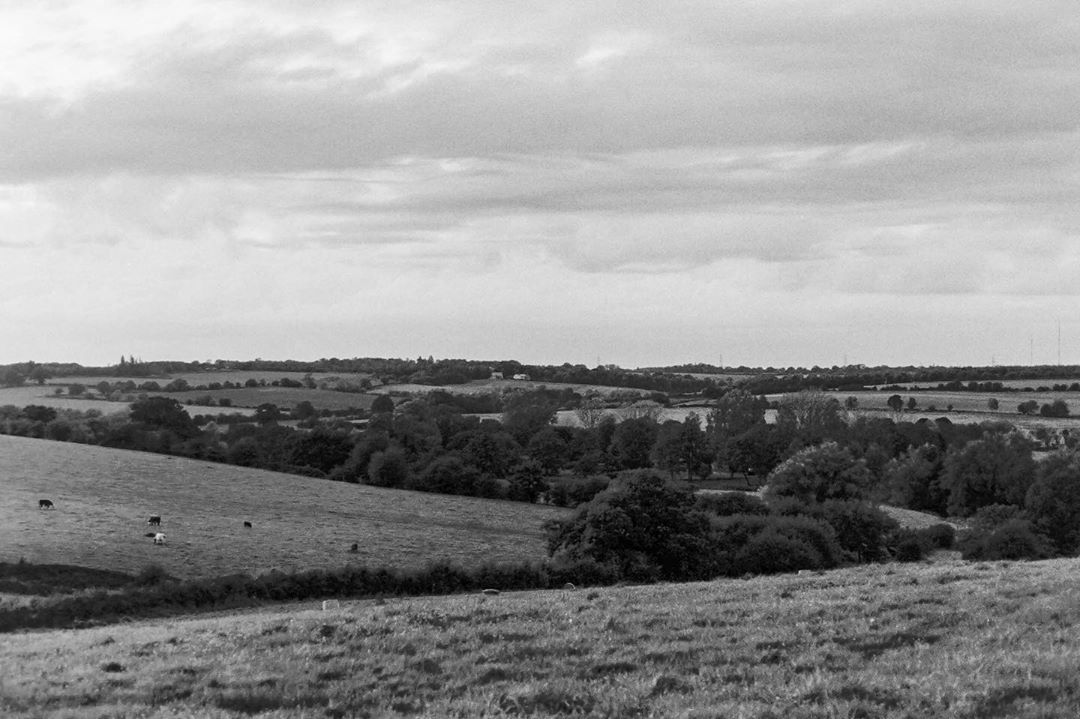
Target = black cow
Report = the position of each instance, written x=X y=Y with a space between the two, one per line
x=355 y=547
x=155 y=520
x=45 y=504
x=247 y=524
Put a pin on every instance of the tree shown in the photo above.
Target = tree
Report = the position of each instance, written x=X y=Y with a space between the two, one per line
x=632 y=443
x=382 y=404
x=912 y=403
x=590 y=412
x=493 y=453
x=811 y=416
x=303 y=410
x=896 y=403
x=164 y=413
x=992 y=404
x=388 y=469
x=267 y=412
x=448 y=475
x=526 y=413
x=1057 y=408
x=734 y=414
x=757 y=451
x=816 y=474
x=997 y=469
x=913 y=480
x=1053 y=501
x=1028 y=407
x=643 y=526
x=527 y=482
x=548 y=449
x=682 y=447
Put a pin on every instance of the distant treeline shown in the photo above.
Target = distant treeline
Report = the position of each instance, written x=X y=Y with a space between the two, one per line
x=673 y=380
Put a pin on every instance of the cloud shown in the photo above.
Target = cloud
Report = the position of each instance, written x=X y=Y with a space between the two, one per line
x=432 y=166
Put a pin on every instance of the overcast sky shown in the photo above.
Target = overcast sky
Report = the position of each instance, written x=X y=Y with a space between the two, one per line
x=769 y=182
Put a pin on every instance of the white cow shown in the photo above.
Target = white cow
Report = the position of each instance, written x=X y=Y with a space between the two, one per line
x=159 y=538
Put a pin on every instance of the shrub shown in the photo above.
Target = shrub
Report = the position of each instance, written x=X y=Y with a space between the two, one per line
x=151 y=575
x=771 y=552
x=572 y=491
x=1015 y=539
x=992 y=516
x=910 y=546
x=742 y=542
x=940 y=536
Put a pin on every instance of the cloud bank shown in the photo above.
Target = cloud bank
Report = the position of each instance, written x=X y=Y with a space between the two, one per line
x=773 y=182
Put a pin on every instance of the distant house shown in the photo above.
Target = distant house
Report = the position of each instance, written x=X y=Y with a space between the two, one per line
x=496 y=375
x=522 y=377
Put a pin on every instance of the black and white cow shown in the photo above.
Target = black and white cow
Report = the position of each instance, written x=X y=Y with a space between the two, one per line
x=155 y=520
x=45 y=504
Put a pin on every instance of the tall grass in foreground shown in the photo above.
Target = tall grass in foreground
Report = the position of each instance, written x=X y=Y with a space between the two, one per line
x=952 y=640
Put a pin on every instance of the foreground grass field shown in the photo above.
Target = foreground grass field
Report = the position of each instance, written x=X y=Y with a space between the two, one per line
x=947 y=639
x=104 y=496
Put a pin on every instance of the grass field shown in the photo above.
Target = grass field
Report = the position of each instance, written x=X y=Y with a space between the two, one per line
x=948 y=639
x=103 y=497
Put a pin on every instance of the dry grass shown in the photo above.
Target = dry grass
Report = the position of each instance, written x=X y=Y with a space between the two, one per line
x=104 y=496
x=949 y=639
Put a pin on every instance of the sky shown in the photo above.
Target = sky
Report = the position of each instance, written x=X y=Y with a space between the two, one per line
x=760 y=183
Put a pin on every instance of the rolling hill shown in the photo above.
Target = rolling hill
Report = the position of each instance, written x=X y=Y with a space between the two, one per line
x=104 y=496
x=948 y=639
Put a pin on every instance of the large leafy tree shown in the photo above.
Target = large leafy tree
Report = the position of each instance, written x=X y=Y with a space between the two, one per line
x=632 y=442
x=817 y=474
x=913 y=480
x=811 y=416
x=997 y=469
x=526 y=413
x=163 y=413
x=734 y=414
x=1053 y=501
x=644 y=526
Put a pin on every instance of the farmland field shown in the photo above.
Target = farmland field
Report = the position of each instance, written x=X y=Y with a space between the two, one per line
x=946 y=639
x=103 y=497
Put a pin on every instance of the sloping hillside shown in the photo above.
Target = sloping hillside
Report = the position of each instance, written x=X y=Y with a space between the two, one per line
x=950 y=640
x=103 y=498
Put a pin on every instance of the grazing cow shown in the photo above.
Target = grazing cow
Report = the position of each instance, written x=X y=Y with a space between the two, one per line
x=45 y=504
x=247 y=524
x=155 y=519
x=159 y=538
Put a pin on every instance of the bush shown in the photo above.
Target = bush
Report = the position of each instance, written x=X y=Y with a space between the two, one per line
x=572 y=492
x=1015 y=539
x=742 y=542
x=771 y=552
x=910 y=546
x=151 y=575
x=861 y=529
x=940 y=536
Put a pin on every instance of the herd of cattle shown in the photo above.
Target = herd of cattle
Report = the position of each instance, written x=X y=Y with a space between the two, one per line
x=153 y=521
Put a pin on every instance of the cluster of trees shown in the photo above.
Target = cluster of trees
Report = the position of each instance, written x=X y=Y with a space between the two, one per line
x=814 y=516
x=1057 y=408
x=434 y=444
x=819 y=511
